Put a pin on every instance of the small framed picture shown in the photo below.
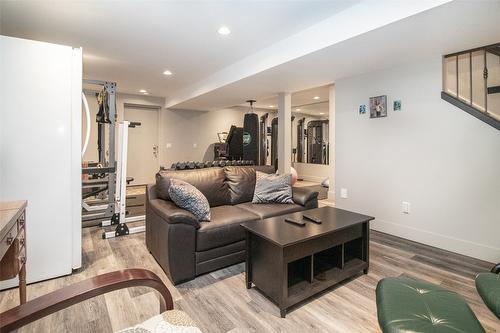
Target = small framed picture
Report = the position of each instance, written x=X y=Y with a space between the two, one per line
x=397 y=105
x=378 y=106
x=362 y=109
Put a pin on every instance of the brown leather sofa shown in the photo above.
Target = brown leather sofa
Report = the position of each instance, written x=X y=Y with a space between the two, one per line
x=186 y=248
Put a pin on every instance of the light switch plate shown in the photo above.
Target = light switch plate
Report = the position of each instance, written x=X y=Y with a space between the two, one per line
x=405 y=207
x=343 y=193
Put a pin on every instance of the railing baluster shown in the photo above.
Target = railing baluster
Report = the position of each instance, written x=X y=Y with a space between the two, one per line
x=485 y=76
x=456 y=65
x=470 y=70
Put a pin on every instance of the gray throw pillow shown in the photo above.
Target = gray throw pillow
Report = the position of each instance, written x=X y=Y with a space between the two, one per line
x=271 y=188
x=188 y=197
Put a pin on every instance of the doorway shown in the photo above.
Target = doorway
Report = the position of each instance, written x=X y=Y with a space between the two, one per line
x=143 y=159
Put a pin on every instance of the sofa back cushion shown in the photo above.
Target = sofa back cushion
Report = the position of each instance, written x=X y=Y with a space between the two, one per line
x=209 y=181
x=241 y=182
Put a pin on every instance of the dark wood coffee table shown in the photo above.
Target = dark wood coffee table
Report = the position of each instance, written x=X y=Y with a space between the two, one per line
x=289 y=263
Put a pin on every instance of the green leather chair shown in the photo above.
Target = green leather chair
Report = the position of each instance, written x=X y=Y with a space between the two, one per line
x=408 y=305
x=488 y=287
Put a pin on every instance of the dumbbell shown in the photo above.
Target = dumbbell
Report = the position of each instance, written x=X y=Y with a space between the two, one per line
x=222 y=163
x=200 y=165
x=215 y=163
x=180 y=166
x=174 y=166
x=208 y=164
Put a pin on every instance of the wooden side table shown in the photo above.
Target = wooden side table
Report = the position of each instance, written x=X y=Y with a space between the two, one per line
x=13 y=243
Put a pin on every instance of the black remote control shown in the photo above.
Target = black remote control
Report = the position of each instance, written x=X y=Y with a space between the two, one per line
x=312 y=218
x=299 y=223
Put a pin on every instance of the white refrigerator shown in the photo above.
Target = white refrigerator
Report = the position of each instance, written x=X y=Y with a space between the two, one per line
x=40 y=150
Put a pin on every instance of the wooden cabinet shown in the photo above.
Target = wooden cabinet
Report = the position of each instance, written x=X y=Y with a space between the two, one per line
x=13 y=243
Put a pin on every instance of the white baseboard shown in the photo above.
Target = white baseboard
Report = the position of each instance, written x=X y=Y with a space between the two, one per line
x=448 y=243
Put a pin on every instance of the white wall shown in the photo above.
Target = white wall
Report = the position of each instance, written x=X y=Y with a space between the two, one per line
x=180 y=128
x=431 y=154
x=184 y=128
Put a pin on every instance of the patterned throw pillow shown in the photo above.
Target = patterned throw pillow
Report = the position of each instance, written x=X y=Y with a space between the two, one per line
x=189 y=198
x=271 y=188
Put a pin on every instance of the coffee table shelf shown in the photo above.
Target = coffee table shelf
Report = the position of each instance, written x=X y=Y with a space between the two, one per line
x=314 y=273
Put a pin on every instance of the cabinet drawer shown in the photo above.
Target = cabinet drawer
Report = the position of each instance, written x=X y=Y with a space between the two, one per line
x=8 y=240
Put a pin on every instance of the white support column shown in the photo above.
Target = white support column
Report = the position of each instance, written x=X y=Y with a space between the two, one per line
x=284 y=132
x=331 y=141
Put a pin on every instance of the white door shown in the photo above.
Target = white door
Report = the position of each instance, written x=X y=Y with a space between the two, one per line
x=143 y=158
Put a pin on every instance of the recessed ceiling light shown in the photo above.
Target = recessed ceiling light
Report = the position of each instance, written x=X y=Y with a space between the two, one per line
x=321 y=113
x=224 y=31
x=297 y=109
x=316 y=97
x=167 y=72
x=144 y=91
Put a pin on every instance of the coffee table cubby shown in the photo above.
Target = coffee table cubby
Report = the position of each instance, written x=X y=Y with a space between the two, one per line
x=326 y=267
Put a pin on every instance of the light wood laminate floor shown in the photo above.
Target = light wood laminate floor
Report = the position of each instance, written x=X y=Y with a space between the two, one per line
x=219 y=301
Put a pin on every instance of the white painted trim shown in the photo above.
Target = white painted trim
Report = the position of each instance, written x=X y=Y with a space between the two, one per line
x=452 y=244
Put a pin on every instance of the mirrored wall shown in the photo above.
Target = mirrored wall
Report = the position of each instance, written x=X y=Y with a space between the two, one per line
x=310 y=127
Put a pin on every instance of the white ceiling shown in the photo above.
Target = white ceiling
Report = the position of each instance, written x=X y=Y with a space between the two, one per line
x=133 y=42
x=300 y=99
x=274 y=46
x=455 y=26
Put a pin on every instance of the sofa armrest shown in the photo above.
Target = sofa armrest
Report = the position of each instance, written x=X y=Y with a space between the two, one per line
x=303 y=195
x=173 y=214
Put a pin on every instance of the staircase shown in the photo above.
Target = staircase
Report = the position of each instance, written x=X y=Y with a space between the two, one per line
x=471 y=82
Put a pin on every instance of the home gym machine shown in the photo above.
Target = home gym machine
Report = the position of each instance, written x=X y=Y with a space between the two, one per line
x=264 y=141
x=317 y=142
x=107 y=179
x=99 y=178
x=119 y=217
x=301 y=138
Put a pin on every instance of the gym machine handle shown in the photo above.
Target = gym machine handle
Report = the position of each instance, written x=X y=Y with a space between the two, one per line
x=134 y=124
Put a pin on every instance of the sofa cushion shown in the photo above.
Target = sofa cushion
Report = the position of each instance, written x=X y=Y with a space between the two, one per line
x=269 y=210
x=271 y=188
x=168 y=322
x=224 y=227
x=241 y=181
x=408 y=305
x=190 y=198
x=208 y=181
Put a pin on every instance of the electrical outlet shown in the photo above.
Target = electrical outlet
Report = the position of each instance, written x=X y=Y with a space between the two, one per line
x=405 y=207
x=169 y=145
x=343 y=193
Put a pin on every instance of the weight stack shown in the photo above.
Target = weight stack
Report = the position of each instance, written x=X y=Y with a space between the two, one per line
x=251 y=137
